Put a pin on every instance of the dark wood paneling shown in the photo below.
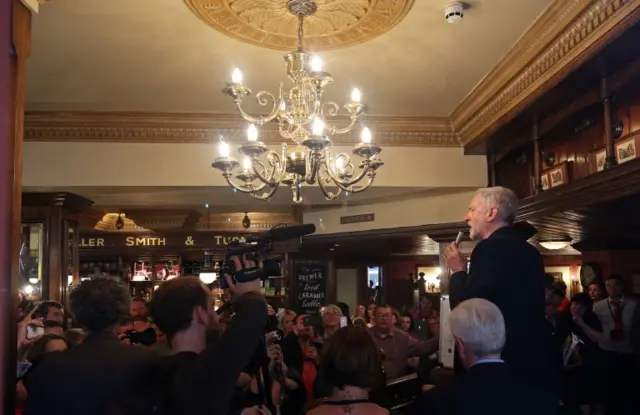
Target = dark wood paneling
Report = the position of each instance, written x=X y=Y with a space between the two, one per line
x=514 y=170
x=577 y=98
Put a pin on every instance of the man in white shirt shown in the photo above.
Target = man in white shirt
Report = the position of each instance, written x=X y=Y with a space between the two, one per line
x=616 y=315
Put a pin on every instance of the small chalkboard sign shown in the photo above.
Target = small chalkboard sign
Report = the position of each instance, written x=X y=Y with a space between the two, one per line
x=311 y=287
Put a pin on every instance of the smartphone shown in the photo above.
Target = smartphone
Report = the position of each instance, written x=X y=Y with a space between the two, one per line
x=307 y=321
x=272 y=337
x=34 y=331
x=343 y=322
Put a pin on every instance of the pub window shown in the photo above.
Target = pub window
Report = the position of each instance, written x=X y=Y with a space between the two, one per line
x=373 y=276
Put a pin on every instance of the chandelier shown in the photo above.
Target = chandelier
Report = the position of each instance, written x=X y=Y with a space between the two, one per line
x=302 y=118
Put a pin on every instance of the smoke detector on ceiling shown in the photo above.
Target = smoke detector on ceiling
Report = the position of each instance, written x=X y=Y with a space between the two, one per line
x=454 y=12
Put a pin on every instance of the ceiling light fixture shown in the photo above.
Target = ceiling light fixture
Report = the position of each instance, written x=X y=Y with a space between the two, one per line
x=556 y=244
x=120 y=222
x=302 y=118
x=246 y=222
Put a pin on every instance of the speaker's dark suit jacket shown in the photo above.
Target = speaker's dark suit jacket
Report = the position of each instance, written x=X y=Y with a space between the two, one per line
x=486 y=388
x=506 y=270
x=99 y=376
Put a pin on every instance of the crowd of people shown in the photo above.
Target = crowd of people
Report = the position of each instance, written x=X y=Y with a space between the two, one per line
x=521 y=345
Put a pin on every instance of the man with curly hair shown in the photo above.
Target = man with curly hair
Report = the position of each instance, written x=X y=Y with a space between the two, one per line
x=101 y=375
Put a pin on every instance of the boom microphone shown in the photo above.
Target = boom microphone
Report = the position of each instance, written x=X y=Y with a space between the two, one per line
x=282 y=233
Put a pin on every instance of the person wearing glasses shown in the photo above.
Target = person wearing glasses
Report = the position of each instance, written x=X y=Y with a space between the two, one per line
x=396 y=345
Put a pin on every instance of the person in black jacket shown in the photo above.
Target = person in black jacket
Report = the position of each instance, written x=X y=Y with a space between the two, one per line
x=199 y=378
x=487 y=387
x=101 y=375
x=508 y=271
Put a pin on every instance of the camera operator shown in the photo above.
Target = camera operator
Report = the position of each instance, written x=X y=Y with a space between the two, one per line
x=199 y=378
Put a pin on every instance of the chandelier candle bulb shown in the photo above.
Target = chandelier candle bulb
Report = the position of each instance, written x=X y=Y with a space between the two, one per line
x=365 y=136
x=236 y=76
x=246 y=163
x=224 y=149
x=356 y=95
x=318 y=127
x=252 y=133
x=316 y=64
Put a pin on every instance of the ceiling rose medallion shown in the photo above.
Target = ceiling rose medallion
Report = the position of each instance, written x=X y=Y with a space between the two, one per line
x=303 y=117
x=273 y=23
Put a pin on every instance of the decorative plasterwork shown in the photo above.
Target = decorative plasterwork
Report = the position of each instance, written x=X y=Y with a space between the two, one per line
x=267 y=23
x=203 y=128
x=555 y=45
x=157 y=220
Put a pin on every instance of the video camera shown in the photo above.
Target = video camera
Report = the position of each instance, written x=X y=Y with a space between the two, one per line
x=258 y=247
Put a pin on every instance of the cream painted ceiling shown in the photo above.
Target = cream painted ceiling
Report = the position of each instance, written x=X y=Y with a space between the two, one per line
x=156 y=55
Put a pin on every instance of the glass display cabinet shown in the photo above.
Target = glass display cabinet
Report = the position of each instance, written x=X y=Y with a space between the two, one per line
x=49 y=261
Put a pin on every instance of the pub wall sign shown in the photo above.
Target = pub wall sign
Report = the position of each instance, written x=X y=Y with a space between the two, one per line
x=179 y=240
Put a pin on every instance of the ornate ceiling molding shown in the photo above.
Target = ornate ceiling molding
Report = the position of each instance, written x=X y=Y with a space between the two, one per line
x=562 y=38
x=203 y=128
x=268 y=23
x=164 y=220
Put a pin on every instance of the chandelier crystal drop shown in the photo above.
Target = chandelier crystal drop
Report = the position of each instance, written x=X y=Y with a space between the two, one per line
x=303 y=118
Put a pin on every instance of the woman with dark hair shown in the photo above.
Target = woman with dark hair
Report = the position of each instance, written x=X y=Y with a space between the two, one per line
x=371 y=314
x=583 y=357
x=352 y=364
x=405 y=324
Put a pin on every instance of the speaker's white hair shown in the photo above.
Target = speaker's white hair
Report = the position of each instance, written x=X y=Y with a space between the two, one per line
x=479 y=325
x=503 y=199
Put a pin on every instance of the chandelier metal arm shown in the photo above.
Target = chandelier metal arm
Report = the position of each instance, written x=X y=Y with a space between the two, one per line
x=322 y=183
x=259 y=170
x=336 y=130
x=266 y=195
x=369 y=182
x=312 y=165
x=344 y=182
x=263 y=98
x=285 y=132
x=330 y=108
x=247 y=188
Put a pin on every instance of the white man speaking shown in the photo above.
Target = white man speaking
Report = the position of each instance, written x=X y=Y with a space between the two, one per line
x=508 y=271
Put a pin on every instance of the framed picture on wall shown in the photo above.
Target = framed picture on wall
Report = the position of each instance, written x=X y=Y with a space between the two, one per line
x=626 y=149
x=601 y=158
x=557 y=177
x=544 y=180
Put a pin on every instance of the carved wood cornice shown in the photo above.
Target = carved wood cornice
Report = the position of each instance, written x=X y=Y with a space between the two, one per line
x=203 y=128
x=568 y=33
